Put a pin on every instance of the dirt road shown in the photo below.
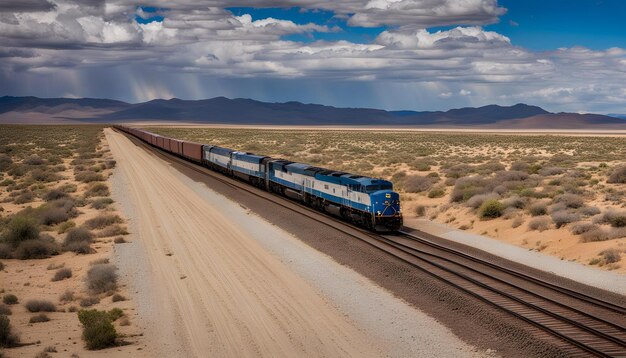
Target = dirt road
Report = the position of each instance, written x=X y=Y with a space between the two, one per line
x=221 y=293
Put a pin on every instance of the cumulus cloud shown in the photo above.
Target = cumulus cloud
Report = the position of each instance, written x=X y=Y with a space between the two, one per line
x=200 y=39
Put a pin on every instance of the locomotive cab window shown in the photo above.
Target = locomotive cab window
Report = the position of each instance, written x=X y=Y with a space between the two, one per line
x=373 y=188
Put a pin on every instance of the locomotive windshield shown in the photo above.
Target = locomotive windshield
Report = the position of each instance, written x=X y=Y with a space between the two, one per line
x=373 y=188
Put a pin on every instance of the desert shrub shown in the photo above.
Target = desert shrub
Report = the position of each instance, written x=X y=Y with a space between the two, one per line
x=67 y=296
x=77 y=240
x=538 y=209
x=68 y=188
x=491 y=209
x=611 y=256
x=81 y=248
x=89 y=301
x=36 y=249
x=595 y=234
x=33 y=160
x=465 y=188
x=613 y=217
x=53 y=216
x=398 y=177
x=21 y=229
x=64 y=227
x=62 y=274
x=24 y=198
x=617 y=233
x=477 y=200
x=40 y=306
x=8 y=339
x=420 y=210
x=550 y=171
x=18 y=170
x=5 y=310
x=101 y=278
x=115 y=314
x=1 y=266
x=580 y=228
x=45 y=176
x=517 y=222
x=511 y=175
x=112 y=230
x=88 y=177
x=42 y=317
x=520 y=166
x=100 y=261
x=102 y=221
x=5 y=162
x=421 y=165
x=514 y=202
x=7 y=182
x=119 y=240
x=417 y=183
x=561 y=218
x=458 y=171
x=589 y=210
x=98 y=330
x=570 y=200
x=55 y=194
x=110 y=164
x=10 y=299
x=6 y=251
x=489 y=167
x=101 y=203
x=117 y=298
x=436 y=192
x=540 y=223
x=97 y=189
x=618 y=175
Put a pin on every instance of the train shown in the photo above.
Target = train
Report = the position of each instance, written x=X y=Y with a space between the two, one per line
x=367 y=202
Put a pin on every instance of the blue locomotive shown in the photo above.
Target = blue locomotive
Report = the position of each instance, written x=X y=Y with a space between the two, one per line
x=368 y=202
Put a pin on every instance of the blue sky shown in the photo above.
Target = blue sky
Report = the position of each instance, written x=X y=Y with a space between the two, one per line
x=550 y=24
x=533 y=24
x=391 y=54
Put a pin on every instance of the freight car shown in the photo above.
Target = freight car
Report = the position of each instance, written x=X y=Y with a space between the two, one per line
x=368 y=202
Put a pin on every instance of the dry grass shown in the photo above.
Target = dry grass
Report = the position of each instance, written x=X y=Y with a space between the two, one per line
x=62 y=274
x=39 y=318
x=101 y=278
x=40 y=306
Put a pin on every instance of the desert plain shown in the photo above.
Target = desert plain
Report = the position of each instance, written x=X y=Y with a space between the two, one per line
x=86 y=228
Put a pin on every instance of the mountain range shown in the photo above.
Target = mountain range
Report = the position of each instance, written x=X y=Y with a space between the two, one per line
x=239 y=111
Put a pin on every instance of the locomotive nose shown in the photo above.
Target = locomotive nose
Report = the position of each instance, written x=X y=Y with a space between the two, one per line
x=387 y=203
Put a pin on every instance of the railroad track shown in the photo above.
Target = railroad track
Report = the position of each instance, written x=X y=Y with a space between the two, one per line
x=589 y=325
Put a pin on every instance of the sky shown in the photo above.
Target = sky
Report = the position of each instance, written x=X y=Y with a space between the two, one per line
x=392 y=54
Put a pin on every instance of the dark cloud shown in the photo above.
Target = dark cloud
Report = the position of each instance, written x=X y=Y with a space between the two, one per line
x=25 y=5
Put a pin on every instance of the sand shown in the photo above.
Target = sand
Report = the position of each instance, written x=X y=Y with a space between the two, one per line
x=594 y=132
x=31 y=279
x=225 y=294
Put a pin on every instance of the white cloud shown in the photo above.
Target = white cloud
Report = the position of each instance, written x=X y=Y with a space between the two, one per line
x=200 y=38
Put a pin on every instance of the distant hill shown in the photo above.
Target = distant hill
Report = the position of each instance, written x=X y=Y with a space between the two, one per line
x=620 y=116
x=222 y=110
x=55 y=105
